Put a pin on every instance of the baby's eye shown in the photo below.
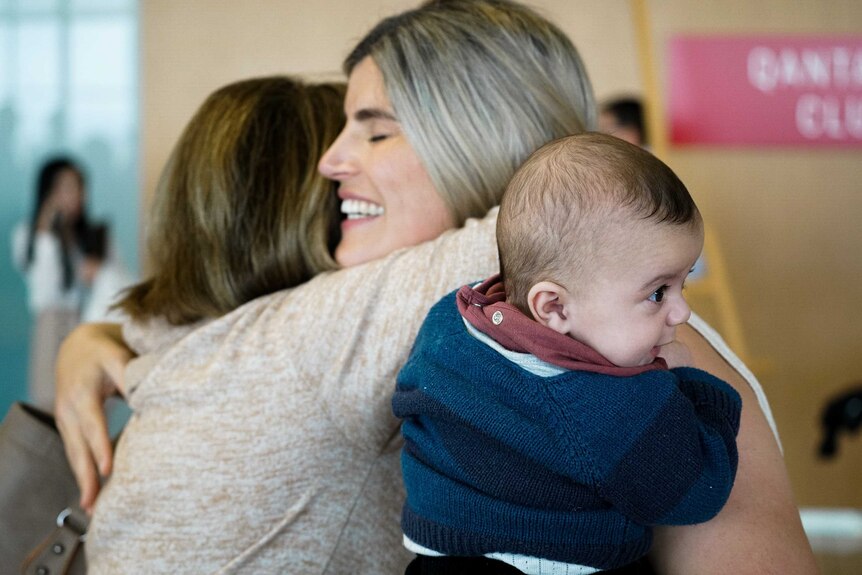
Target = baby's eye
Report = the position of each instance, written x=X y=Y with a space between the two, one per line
x=378 y=138
x=658 y=295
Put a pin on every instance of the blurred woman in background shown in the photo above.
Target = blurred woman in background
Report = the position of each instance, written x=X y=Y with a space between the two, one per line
x=67 y=265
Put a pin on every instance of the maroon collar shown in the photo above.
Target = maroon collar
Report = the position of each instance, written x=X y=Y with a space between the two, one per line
x=486 y=309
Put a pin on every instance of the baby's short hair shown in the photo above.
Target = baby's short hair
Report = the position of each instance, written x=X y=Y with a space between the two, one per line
x=561 y=206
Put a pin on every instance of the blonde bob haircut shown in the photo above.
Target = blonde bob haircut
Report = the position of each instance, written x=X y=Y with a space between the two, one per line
x=240 y=210
x=477 y=86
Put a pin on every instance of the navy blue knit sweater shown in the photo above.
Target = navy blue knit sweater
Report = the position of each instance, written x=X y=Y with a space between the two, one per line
x=573 y=468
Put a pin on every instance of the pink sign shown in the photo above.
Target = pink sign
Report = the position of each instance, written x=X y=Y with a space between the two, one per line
x=793 y=91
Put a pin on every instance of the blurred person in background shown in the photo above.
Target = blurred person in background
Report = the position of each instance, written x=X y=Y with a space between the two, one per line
x=624 y=118
x=68 y=266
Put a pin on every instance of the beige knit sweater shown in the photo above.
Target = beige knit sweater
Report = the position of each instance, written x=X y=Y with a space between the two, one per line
x=263 y=441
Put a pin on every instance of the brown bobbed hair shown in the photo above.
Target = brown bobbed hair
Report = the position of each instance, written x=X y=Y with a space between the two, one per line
x=240 y=210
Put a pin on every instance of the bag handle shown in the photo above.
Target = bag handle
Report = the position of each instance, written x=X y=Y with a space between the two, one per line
x=58 y=554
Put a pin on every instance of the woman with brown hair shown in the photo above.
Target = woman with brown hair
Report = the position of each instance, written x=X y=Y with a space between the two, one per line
x=239 y=212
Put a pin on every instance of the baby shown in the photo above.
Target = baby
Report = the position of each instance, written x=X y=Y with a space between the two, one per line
x=542 y=428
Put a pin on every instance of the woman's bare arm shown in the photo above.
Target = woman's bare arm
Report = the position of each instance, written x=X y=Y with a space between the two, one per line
x=759 y=530
x=90 y=368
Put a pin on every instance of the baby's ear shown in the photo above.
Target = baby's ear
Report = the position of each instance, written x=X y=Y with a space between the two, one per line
x=547 y=301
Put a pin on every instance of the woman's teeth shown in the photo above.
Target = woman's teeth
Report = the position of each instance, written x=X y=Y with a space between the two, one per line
x=355 y=209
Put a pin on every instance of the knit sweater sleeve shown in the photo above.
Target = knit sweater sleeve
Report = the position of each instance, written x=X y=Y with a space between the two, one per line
x=664 y=446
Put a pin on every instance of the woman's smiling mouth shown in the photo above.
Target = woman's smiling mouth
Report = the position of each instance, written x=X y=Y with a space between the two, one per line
x=356 y=209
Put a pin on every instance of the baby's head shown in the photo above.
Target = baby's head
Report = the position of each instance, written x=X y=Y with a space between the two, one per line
x=596 y=238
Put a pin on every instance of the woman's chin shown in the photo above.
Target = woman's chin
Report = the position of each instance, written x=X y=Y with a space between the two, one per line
x=353 y=249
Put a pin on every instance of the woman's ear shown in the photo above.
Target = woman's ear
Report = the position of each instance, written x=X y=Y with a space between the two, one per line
x=548 y=302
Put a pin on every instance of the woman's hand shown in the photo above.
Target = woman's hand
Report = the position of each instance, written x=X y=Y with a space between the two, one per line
x=90 y=367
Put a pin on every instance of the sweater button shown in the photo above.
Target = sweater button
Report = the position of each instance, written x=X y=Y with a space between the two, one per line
x=497 y=317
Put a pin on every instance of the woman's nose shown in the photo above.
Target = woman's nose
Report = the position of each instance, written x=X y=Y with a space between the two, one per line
x=334 y=164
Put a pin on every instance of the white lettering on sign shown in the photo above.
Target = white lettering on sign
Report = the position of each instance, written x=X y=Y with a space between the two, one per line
x=837 y=67
x=829 y=117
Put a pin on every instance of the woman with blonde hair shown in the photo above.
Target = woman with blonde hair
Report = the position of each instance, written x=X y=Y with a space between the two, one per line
x=281 y=455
